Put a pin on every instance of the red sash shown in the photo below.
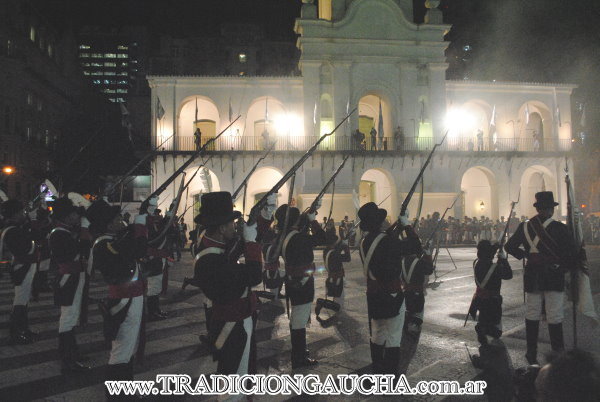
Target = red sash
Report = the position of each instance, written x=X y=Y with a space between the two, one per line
x=126 y=290
x=300 y=270
x=236 y=310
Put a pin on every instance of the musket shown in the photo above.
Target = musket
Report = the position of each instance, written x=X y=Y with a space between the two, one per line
x=173 y=210
x=502 y=240
x=253 y=215
x=419 y=176
x=313 y=205
x=182 y=168
x=245 y=181
x=439 y=222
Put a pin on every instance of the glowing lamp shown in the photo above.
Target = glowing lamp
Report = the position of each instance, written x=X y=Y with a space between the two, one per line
x=583 y=205
x=482 y=206
x=8 y=170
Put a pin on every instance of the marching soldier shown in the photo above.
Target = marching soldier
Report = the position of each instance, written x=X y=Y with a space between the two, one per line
x=413 y=274
x=65 y=254
x=487 y=299
x=17 y=242
x=272 y=274
x=297 y=252
x=228 y=284
x=41 y=225
x=156 y=261
x=116 y=253
x=334 y=255
x=550 y=253
x=381 y=255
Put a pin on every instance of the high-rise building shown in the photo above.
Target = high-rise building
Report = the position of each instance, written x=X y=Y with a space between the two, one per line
x=113 y=59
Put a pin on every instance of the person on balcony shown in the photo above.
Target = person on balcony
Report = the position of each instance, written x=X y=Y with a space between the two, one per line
x=399 y=138
x=197 y=138
x=536 y=142
x=479 y=140
x=266 y=139
x=470 y=145
x=358 y=139
x=373 y=135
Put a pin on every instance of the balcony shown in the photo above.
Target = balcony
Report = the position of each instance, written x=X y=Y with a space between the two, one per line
x=389 y=145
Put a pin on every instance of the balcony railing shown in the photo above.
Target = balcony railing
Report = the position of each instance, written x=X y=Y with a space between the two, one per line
x=389 y=144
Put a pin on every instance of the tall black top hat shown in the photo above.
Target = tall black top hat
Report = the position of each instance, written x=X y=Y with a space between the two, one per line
x=100 y=213
x=371 y=216
x=544 y=199
x=280 y=215
x=217 y=209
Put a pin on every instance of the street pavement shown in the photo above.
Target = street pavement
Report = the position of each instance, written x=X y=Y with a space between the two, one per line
x=32 y=372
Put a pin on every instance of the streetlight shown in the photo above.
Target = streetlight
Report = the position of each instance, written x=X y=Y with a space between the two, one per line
x=8 y=170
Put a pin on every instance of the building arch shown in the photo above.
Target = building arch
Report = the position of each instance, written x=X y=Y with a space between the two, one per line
x=534 y=179
x=480 y=193
x=261 y=181
x=465 y=121
x=368 y=114
x=269 y=109
x=377 y=185
x=208 y=120
x=540 y=122
x=204 y=182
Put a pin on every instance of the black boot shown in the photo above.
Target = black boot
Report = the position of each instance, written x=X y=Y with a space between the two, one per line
x=17 y=326
x=556 y=337
x=154 y=313
x=67 y=346
x=44 y=286
x=299 y=352
x=32 y=334
x=377 y=358
x=391 y=361
x=532 y=329
x=481 y=336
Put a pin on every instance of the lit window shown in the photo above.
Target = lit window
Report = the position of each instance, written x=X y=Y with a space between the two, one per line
x=96 y=64
x=97 y=55
x=124 y=64
x=32 y=33
x=134 y=61
x=112 y=99
x=122 y=82
x=242 y=73
x=109 y=64
x=121 y=91
x=120 y=100
x=108 y=91
x=122 y=47
x=84 y=55
x=50 y=50
x=29 y=99
x=84 y=47
x=122 y=56
x=85 y=64
x=39 y=105
x=28 y=133
x=109 y=55
x=93 y=73
x=243 y=58
x=109 y=73
x=123 y=73
x=96 y=81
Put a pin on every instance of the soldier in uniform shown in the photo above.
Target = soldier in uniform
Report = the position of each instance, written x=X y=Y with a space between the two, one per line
x=65 y=254
x=487 y=299
x=381 y=254
x=41 y=226
x=17 y=242
x=550 y=253
x=156 y=261
x=228 y=284
x=297 y=252
x=272 y=274
x=116 y=253
x=415 y=268
x=335 y=254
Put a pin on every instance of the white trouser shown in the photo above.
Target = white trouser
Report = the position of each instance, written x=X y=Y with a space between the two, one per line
x=125 y=344
x=554 y=306
x=44 y=265
x=243 y=368
x=155 y=285
x=23 y=291
x=300 y=315
x=69 y=315
x=388 y=332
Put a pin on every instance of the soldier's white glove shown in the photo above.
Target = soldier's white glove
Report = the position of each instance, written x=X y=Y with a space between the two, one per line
x=502 y=254
x=270 y=207
x=250 y=232
x=318 y=204
x=311 y=216
x=404 y=219
x=345 y=242
x=426 y=251
x=84 y=222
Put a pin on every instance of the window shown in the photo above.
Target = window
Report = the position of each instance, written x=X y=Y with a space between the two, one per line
x=109 y=73
x=9 y=47
x=81 y=55
x=96 y=81
x=108 y=82
x=39 y=105
x=50 y=50
x=96 y=64
x=109 y=64
x=122 y=47
x=121 y=91
x=97 y=55
x=47 y=138
x=123 y=73
x=28 y=133
x=122 y=56
x=85 y=64
x=93 y=73
x=29 y=99
x=109 y=55
x=243 y=58
x=122 y=82
x=42 y=43
x=32 y=33
x=124 y=64
x=108 y=91
x=84 y=46
x=242 y=73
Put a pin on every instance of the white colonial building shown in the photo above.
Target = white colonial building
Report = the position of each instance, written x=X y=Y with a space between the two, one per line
x=367 y=54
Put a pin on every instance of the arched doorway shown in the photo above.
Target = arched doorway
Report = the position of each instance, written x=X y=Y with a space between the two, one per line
x=538 y=126
x=368 y=118
x=534 y=131
x=261 y=181
x=266 y=120
x=479 y=191
x=204 y=182
x=535 y=179
x=196 y=112
x=376 y=186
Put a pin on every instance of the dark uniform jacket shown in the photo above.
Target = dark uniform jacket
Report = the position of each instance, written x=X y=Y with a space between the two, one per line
x=334 y=256
x=65 y=257
x=299 y=264
x=18 y=241
x=156 y=252
x=545 y=270
x=423 y=267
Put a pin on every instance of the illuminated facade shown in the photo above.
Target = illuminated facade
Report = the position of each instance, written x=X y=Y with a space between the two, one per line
x=367 y=54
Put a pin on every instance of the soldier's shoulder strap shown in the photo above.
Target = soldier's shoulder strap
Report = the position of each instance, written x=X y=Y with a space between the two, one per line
x=367 y=258
x=209 y=250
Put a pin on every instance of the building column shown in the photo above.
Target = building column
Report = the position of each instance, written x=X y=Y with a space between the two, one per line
x=342 y=89
x=437 y=97
x=310 y=75
x=409 y=98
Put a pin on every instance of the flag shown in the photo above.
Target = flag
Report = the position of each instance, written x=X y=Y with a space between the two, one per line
x=556 y=110
x=492 y=134
x=380 y=124
x=422 y=117
x=582 y=121
x=527 y=113
x=266 y=111
x=160 y=111
x=196 y=112
x=230 y=110
x=315 y=114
